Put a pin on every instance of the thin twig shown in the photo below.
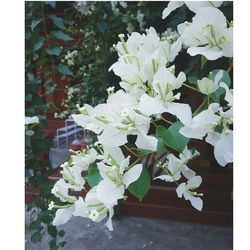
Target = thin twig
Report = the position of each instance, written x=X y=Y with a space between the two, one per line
x=190 y=87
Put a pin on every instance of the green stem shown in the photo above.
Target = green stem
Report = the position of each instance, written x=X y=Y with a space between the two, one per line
x=190 y=87
x=230 y=68
x=166 y=120
x=200 y=107
x=133 y=153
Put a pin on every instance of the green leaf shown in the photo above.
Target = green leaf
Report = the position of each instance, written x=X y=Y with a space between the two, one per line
x=28 y=97
x=36 y=237
x=93 y=177
x=220 y=91
x=39 y=43
x=34 y=23
x=193 y=79
x=58 y=21
x=54 y=51
x=53 y=245
x=51 y=3
x=60 y=35
x=64 y=70
x=171 y=136
x=52 y=231
x=50 y=89
x=61 y=233
x=140 y=187
x=45 y=216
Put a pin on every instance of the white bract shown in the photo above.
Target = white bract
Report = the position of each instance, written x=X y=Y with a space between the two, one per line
x=84 y=159
x=173 y=166
x=215 y=123
x=186 y=190
x=140 y=57
x=117 y=175
x=208 y=86
x=93 y=208
x=117 y=119
x=161 y=97
x=202 y=123
x=31 y=120
x=150 y=87
x=72 y=174
x=223 y=141
x=192 y=5
x=208 y=34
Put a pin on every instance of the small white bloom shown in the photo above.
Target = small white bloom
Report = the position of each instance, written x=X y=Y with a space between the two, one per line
x=208 y=86
x=31 y=120
x=186 y=190
x=29 y=132
x=51 y=205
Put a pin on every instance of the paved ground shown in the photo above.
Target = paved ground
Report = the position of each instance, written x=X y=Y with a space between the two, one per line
x=132 y=233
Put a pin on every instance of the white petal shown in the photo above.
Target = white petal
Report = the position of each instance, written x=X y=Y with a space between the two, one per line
x=194 y=182
x=80 y=208
x=112 y=137
x=180 y=190
x=146 y=142
x=115 y=152
x=211 y=53
x=218 y=76
x=108 y=193
x=196 y=202
x=79 y=119
x=212 y=138
x=63 y=215
x=223 y=150
x=109 y=222
x=132 y=175
x=166 y=178
x=171 y=7
x=149 y=105
x=187 y=172
x=182 y=111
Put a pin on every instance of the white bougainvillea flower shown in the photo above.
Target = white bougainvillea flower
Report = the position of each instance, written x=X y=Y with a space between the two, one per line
x=31 y=120
x=141 y=56
x=87 y=120
x=173 y=166
x=117 y=119
x=61 y=189
x=186 y=190
x=161 y=99
x=63 y=215
x=116 y=175
x=94 y=209
x=192 y=5
x=73 y=176
x=85 y=159
x=186 y=155
x=228 y=95
x=223 y=146
x=208 y=86
x=208 y=34
x=202 y=123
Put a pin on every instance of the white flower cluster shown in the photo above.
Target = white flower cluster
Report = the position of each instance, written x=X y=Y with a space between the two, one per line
x=117 y=174
x=70 y=57
x=151 y=87
x=173 y=167
x=208 y=34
